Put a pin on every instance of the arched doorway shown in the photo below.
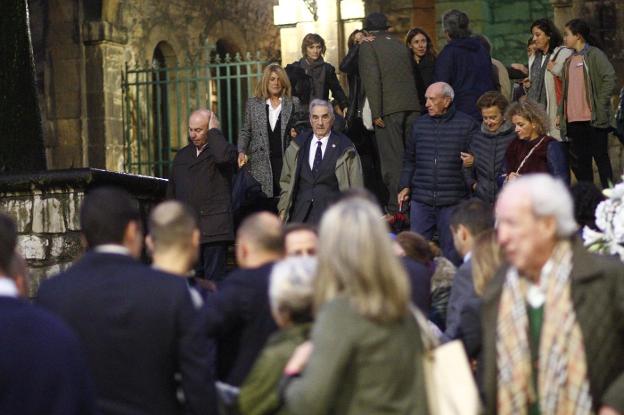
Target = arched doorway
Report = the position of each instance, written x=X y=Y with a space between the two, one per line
x=163 y=59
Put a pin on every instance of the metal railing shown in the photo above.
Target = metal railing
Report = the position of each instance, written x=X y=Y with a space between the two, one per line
x=157 y=102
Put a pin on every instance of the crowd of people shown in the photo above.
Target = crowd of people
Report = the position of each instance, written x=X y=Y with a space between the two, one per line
x=468 y=232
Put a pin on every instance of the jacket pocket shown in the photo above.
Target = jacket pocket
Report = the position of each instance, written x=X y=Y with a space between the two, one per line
x=215 y=222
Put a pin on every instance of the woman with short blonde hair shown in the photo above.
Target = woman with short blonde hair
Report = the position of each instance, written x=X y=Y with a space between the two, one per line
x=365 y=354
x=533 y=150
x=267 y=130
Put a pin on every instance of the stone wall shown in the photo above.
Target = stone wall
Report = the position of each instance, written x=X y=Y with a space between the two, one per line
x=46 y=209
x=81 y=48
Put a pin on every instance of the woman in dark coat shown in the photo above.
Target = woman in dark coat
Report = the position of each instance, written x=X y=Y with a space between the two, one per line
x=267 y=130
x=419 y=42
x=311 y=77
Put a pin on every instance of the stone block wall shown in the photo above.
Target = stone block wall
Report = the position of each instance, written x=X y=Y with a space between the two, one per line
x=46 y=208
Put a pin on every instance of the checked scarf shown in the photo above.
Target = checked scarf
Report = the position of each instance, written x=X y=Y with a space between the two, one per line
x=563 y=387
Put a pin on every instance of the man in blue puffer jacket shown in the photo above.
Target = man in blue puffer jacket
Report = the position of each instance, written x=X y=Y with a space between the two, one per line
x=433 y=171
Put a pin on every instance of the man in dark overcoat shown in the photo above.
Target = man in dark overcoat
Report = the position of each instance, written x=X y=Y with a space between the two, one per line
x=201 y=177
x=137 y=325
x=391 y=105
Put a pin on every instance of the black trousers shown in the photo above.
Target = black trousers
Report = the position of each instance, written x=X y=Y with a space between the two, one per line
x=390 y=145
x=211 y=264
x=587 y=142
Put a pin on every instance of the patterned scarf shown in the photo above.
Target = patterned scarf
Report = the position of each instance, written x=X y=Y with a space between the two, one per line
x=537 y=91
x=562 y=373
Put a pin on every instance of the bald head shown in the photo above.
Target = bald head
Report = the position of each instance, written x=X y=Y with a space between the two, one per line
x=258 y=236
x=171 y=226
x=200 y=122
x=439 y=97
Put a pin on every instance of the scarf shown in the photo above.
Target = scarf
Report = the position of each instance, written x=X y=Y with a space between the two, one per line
x=537 y=91
x=562 y=386
x=315 y=70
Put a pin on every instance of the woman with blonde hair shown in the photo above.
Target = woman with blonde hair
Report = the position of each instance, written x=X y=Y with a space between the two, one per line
x=533 y=150
x=267 y=131
x=365 y=355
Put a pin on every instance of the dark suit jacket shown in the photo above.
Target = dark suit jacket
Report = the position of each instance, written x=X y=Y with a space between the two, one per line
x=205 y=184
x=598 y=299
x=420 y=282
x=462 y=290
x=42 y=367
x=137 y=327
x=238 y=318
x=386 y=69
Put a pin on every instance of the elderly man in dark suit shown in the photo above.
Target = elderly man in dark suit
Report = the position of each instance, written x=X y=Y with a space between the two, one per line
x=42 y=365
x=202 y=178
x=387 y=73
x=238 y=316
x=318 y=165
x=136 y=324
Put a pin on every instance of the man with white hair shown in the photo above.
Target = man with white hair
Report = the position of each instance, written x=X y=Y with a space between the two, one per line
x=318 y=165
x=553 y=319
x=433 y=176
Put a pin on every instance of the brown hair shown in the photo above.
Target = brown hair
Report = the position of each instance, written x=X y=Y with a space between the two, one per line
x=418 y=31
x=532 y=112
x=262 y=88
x=415 y=246
x=309 y=40
x=493 y=99
x=487 y=257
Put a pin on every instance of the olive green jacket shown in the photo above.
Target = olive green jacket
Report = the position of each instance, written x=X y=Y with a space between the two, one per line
x=259 y=392
x=600 y=85
x=348 y=170
x=360 y=367
x=598 y=298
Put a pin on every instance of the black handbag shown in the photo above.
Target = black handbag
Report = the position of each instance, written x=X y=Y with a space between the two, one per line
x=246 y=190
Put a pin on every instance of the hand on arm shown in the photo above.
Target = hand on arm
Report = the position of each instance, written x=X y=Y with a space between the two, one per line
x=467 y=159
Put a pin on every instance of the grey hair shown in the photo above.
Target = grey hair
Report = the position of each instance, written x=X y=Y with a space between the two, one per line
x=549 y=197
x=455 y=24
x=321 y=102
x=447 y=91
x=292 y=284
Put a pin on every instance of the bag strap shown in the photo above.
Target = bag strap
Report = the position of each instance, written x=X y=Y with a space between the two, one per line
x=529 y=155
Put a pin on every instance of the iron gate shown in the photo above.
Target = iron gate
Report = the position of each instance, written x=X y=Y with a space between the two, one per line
x=158 y=100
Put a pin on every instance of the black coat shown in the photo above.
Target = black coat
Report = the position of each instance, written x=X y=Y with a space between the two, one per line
x=42 y=366
x=349 y=65
x=302 y=85
x=205 y=184
x=137 y=326
x=432 y=166
x=420 y=283
x=238 y=318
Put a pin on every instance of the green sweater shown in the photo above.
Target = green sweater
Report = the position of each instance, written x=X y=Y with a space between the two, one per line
x=360 y=367
x=259 y=392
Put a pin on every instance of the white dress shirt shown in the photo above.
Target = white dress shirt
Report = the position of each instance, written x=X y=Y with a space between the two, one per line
x=274 y=113
x=313 y=146
x=7 y=288
x=112 y=249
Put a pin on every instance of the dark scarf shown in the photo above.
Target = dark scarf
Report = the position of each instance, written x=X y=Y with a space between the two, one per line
x=315 y=70
x=537 y=92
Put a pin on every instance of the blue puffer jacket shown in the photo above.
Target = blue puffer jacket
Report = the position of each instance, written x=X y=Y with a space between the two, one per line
x=467 y=67
x=432 y=166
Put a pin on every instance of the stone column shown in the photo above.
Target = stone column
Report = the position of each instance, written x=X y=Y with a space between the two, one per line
x=104 y=63
x=564 y=11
